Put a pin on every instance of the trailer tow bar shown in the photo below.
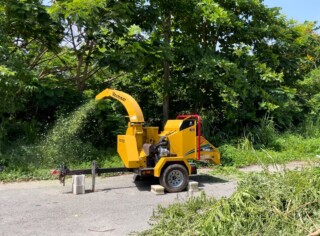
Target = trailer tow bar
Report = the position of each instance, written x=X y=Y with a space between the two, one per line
x=62 y=170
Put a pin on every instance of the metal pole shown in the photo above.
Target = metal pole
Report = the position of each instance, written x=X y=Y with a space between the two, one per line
x=93 y=172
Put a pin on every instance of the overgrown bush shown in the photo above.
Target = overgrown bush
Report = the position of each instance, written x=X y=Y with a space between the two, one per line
x=69 y=141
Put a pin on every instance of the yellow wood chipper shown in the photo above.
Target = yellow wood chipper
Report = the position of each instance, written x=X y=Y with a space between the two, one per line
x=167 y=155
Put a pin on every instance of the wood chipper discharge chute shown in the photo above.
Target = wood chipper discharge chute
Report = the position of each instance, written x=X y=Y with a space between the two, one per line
x=129 y=146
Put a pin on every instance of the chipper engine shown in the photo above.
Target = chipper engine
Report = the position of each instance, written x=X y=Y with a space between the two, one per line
x=167 y=155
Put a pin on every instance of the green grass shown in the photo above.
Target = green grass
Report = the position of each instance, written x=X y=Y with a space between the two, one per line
x=29 y=173
x=230 y=172
x=264 y=204
x=285 y=148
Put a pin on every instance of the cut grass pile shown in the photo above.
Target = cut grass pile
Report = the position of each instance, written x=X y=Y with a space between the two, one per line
x=285 y=203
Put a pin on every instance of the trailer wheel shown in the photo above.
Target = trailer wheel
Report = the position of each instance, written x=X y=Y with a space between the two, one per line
x=174 y=178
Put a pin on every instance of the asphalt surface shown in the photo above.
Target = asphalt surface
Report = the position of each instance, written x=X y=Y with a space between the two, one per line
x=119 y=206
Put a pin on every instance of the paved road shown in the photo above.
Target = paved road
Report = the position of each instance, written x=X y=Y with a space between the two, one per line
x=120 y=206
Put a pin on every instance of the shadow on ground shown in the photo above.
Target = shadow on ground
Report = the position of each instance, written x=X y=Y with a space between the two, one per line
x=202 y=179
x=207 y=179
x=145 y=183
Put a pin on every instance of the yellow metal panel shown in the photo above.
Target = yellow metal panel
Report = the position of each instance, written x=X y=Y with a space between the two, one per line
x=176 y=143
x=150 y=134
x=183 y=141
x=142 y=159
x=173 y=125
x=127 y=149
x=209 y=152
x=189 y=139
x=161 y=163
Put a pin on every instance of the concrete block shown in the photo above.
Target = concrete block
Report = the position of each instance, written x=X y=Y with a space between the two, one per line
x=78 y=184
x=193 y=186
x=157 y=189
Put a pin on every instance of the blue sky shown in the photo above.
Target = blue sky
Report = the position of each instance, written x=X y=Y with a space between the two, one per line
x=300 y=10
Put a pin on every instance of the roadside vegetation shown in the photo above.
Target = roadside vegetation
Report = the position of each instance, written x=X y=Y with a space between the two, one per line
x=265 y=145
x=283 y=203
x=66 y=143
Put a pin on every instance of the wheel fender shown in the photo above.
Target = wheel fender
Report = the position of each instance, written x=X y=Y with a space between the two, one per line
x=166 y=160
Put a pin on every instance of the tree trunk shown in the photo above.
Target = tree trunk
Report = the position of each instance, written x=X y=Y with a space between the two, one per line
x=166 y=76
x=166 y=68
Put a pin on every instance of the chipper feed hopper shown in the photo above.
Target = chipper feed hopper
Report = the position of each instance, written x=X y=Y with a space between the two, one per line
x=167 y=155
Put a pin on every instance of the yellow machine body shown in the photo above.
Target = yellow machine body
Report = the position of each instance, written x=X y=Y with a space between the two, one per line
x=135 y=147
x=183 y=141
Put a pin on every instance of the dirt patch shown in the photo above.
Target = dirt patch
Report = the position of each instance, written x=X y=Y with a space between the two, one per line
x=294 y=165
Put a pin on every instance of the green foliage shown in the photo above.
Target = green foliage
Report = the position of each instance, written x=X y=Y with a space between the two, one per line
x=233 y=62
x=28 y=170
x=29 y=21
x=100 y=39
x=228 y=171
x=68 y=141
x=28 y=175
x=263 y=144
x=311 y=127
x=264 y=204
x=236 y=61
x=308 y=92
x=289 y=147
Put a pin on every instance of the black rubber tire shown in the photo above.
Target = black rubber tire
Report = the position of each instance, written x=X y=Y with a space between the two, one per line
x=174 y=178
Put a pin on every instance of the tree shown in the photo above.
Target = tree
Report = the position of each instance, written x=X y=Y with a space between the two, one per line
x=99 y=37
x=27 y=33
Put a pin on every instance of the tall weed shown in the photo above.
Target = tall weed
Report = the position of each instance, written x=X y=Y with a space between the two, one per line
x=311 y=127
x=291 y=147
x=265 y=135
x=265 y=145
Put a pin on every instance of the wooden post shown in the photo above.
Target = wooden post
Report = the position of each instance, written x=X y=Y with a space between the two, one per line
x=93 y=172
